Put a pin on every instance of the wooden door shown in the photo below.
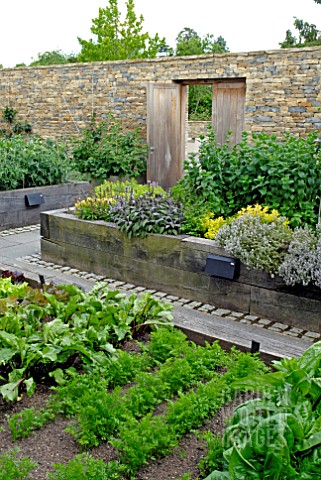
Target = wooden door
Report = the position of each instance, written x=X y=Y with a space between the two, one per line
x=165 y=131
x=228 y=110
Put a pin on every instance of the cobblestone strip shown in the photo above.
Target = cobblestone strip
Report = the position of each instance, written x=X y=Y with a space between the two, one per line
x=14 y=231
x=183 y=302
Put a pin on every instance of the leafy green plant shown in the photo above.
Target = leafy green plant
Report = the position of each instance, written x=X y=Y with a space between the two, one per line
x=147 y=214
x=23 y=423
x=105 y=149
x=100 y=416
x=277 y=436
x=155 y=436
x=127 y=188
x=302 y=261
x=214 y=459
x=85 y=467
x=282 y=174
x=30 y=162
x=108 y=194
x=12 y=467
x=12 y=126
x=46 y=332
x=255 y=241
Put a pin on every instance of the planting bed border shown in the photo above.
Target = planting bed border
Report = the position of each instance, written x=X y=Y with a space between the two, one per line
x=14 y=212
x=174 y=264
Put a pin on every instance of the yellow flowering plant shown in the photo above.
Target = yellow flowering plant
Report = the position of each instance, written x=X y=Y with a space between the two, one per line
x=212 y=225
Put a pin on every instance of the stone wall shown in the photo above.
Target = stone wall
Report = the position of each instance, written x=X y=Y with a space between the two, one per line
x=282 y=89
x=196 y=128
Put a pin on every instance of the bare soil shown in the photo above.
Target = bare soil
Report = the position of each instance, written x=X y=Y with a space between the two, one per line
x=53 y=445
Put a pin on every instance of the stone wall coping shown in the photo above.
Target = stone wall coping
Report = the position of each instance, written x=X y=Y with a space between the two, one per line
x=279 y=52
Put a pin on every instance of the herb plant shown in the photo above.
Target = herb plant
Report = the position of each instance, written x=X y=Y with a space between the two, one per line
x=14 y=468
x=256 y=241
x=105 y=149
x=282 y=174
x=302 y=261
x=147 y=214
x=30 y=162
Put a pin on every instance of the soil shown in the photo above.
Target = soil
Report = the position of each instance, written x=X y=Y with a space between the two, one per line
x=52 y=445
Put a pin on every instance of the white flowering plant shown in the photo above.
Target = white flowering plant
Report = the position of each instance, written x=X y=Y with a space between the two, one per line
x=302 y=262
x=259 y=243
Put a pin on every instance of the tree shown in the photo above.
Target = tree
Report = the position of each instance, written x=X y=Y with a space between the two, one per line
x=117 y=39
x=55 y=57
x=189 y=42
x=309 y=35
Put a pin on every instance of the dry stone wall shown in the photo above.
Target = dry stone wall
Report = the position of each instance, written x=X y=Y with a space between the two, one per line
x=282 y=89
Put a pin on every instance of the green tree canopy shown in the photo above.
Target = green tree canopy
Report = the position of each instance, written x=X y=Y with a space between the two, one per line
x=55 y=57
x=118 y=39
x=309 y=35
x=189 y=42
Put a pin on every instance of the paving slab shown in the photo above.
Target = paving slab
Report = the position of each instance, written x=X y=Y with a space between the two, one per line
x=197 y=325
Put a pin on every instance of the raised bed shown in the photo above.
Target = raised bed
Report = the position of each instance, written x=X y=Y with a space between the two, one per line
x=174 y=264
x=14 y=209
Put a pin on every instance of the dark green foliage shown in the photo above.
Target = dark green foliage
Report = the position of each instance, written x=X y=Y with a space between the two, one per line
x=12 y=467
x=147 y=214
x=277 y=436
x=31 y=162
x=105 y=149
x=44 y=333
x=165 y=343
x=54 y=57
x=281 y=174
x=200 y=102
x=189 y=42
x=13 y=126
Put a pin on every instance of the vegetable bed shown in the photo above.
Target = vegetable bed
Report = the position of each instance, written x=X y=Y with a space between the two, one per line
x=101 y=386
x=130 y=405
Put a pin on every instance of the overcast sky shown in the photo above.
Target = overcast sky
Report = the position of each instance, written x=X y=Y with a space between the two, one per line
x=28 y=27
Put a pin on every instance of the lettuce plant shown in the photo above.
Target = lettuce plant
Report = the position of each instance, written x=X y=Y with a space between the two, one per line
x=277 y=436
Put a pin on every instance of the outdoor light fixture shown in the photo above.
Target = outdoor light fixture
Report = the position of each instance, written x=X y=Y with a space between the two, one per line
x=34 y=199
x=223 y=267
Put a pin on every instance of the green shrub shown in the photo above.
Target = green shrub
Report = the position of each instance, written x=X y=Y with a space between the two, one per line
x=147 y=214
x=105 y=149
x=11 y=125
x=30 y=162
x=107 y=195
x=255 y=241
x=302 y=262
x=282 y=174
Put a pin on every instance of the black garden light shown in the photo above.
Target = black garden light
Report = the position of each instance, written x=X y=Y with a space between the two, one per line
x=34 y=199
x=223 y=267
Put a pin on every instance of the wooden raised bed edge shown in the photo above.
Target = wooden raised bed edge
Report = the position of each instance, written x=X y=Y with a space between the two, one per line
x=174 y=264
x=14 y=212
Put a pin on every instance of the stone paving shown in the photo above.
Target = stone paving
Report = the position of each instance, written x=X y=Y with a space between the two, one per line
x=187 y=303
x=241 y=317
